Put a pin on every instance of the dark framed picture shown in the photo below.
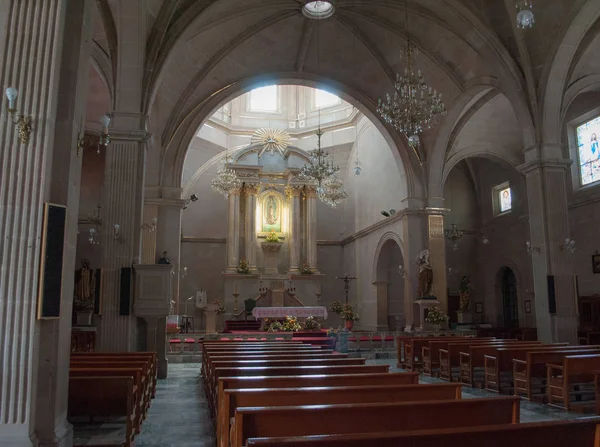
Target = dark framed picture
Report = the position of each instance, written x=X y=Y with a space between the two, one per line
x=596 y=263
x=479 y=307
x=527 y=307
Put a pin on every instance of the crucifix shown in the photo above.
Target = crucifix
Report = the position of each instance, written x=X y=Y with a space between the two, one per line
x=346 y=280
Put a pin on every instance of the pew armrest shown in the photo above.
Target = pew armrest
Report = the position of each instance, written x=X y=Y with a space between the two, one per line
x=519 y=366
x=554 y=371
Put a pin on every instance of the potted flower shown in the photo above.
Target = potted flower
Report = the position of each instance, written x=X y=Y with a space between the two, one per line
x=272 y=238
x=437 y=317
x=275 y=326
x=291 y=324
x=311 y=324
x=221 y=309
x=336 y=307
x=304 y=269
x=349 y=315
x=243 y=267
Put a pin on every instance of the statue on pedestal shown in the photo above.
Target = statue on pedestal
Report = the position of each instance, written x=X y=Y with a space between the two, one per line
x=84 y=293
x=425 y=275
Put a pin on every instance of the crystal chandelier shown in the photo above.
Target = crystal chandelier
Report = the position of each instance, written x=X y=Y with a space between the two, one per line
x=226 y=180
x=453 y=235
x=332 y=193
x=525 y=17
x=319 y=168
x=96 y=220
x=413 y=106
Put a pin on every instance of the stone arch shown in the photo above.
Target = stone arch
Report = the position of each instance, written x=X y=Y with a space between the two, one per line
x=457 y=158
x=498 y=310
x=560 y=67
x=175 y=149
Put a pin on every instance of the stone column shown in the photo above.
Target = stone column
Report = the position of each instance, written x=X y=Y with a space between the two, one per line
x=149 y=231
x=437 y=259
x=123 y=191
x=251 y=190
x=233 y=231
x=414 y=227
x=294 y=191
x=34 y=354
x=549 y=226
x=311 y=228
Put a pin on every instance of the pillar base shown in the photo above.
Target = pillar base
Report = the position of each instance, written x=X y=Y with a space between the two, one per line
x=62 y=437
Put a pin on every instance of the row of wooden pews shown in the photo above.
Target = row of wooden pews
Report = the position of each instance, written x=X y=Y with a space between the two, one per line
x=108 y=385
x=286 y=394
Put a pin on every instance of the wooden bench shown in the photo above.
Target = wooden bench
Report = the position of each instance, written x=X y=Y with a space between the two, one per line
x=575 y=370
x=412 y=350
x=135 y=373
x=533 y=367
x=498 y=362
x=252 y=422
x=277 y=397
x=430 y=352
x=104 y=397
x=213 y=393
x=580 y=433
x=474 y=357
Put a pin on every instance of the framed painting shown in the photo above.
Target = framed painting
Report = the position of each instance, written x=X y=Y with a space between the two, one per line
x=596 y=263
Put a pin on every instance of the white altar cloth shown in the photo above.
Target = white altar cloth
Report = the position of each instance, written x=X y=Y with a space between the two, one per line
x=281 y=312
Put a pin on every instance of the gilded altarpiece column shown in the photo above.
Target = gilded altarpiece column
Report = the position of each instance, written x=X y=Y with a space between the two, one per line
x=311 y=227
x=251 y=191
x=294 y=192
x=437 y=259
x=233 y=231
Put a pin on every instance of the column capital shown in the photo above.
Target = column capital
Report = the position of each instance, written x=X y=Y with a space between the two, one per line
x=251 y=189
x=236 y=191
x=128 y=126
x=534 y=165
x=294 y=190
x=310 y=191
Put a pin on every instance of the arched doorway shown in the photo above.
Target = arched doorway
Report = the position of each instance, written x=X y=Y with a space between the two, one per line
x=390 y=287
x=510 y=303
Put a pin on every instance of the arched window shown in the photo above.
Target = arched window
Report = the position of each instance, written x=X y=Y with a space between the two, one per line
x=325 y=99
x=588 y=151
x=264 y=99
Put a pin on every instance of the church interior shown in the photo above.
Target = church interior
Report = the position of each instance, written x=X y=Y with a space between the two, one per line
x=220 y=218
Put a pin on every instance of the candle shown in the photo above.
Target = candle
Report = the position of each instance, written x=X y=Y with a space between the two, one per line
x=318 y=289
x=235 y=288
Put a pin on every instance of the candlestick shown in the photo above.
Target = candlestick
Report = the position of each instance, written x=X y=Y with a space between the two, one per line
x=318 y=289
x=235 y=300
x=235 y=288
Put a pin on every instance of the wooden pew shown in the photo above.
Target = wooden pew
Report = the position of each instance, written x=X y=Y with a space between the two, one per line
x=135 y=373
x=580 y=432
x=277 y=397
x=103 y=397
x=431 y=355
x=129 y=355
x=249 y=371
x=252 y=422
x=474 y=357
x=412 y=350
x=533 y=366
x=575 y=369
x=498 y=362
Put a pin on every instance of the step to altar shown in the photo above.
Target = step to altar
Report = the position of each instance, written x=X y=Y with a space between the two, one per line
x=242 y=326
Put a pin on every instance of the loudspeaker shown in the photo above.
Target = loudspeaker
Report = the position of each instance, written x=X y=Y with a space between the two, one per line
x=551 y=295
x=98 y=293
x=125 y=295
x=51 y=261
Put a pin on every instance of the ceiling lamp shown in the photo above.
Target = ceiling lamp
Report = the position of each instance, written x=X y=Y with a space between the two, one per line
x=318 y=10
x=413 y=106
x=453 y=235
x=226 y=180
x=271 y=140
x=319 y=168
x=332 y=193
x=525 y=17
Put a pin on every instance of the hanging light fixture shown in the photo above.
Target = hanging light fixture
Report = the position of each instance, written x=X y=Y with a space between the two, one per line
x=453 y=235
x=332 y=193
x=525 y=17
x=226 y=180
x=413 y=106
x=95 y=219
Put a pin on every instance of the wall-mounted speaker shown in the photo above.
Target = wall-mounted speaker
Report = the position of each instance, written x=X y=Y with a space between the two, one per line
x=125 y=294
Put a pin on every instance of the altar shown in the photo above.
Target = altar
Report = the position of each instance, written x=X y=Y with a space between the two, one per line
x=282 y=312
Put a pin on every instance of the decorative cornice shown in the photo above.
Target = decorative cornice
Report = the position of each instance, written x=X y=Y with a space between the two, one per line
x=162 y=201
x=204 y=240
x=294 y=190
x=330 y=243
x=251 y=189
x=531 y=166
x=310 y=191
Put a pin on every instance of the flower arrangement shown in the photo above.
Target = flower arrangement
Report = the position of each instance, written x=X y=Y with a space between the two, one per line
x=436 y=316
x=349 y=314
x=243 y=267
x=291 y=324
x=331 y=332
x=305 y=269
x=221 y=309
x=275 y=326
x=311 y=324
x=272 y=237
x=336 y=307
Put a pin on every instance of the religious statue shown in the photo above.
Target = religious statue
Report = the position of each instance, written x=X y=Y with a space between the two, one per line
x=164 y=259
x=271 y=210
x=465 y=293
x=85 y=287
x=425 y=275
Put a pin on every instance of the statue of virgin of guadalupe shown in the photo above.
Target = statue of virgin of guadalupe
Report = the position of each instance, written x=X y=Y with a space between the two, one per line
x=271 y=210
x=425 y=275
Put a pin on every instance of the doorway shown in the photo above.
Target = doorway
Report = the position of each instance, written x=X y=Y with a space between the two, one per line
x=510 y=302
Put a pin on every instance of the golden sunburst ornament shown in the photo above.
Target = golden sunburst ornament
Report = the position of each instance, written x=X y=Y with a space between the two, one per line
x=271 y=140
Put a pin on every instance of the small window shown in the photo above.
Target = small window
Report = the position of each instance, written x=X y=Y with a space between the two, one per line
x=325 y=99
x=264 y=99
x=502 y=198
x=588 y=151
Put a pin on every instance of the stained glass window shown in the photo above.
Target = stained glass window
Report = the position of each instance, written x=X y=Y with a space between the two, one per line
x=264 y=99
x=589 y=151
x=325 y=99
x=505 y=199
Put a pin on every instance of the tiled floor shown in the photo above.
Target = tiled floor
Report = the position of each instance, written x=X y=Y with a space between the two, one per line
x=179 y=414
